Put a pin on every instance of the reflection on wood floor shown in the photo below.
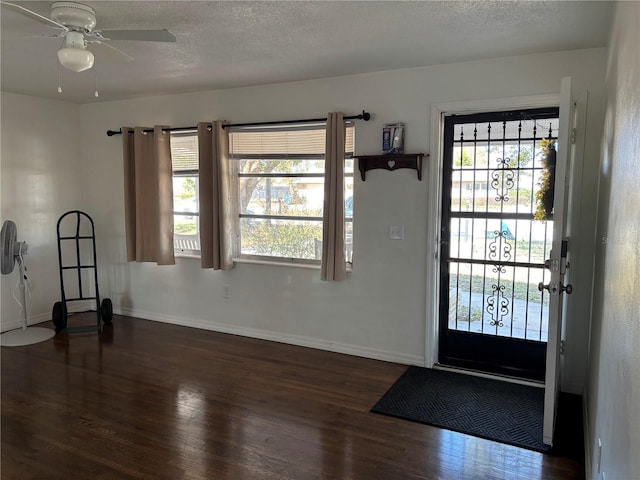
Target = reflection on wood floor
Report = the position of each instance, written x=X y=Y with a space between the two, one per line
x=146 y=400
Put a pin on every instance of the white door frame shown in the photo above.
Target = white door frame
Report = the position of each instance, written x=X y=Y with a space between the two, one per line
x=434 y=208
x=557 y=302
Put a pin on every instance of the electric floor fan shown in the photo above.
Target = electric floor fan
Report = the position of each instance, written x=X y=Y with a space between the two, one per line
x=13 y=252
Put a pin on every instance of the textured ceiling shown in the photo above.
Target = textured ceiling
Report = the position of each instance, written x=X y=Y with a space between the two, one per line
x=222 y=44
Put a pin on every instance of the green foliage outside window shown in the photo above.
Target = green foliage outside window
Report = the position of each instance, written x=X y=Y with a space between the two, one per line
x=188 y=189
x=282 y=239
x=544 y=196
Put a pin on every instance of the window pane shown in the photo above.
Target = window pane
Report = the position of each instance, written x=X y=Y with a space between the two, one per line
x=348 y=197
x=348 y=218
x=184 y=158
x=186 y=233
x=302 y=197
x=348 y=241
x=281 y=238
x=185 y=224
x=185 y=194
x=282 y=165
x=348 y=165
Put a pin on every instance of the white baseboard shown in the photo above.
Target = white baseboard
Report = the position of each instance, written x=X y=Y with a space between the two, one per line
x=33 y=320
x=76 y=306
x=298 y=340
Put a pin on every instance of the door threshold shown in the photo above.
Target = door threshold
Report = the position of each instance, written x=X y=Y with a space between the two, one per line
x=493 y=376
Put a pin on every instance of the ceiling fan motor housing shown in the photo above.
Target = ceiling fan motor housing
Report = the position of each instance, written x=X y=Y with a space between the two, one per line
x=74 y=40
x=74 y=15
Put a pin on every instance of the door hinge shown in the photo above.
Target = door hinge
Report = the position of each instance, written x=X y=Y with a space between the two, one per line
x=573 y=135
x=561 y=347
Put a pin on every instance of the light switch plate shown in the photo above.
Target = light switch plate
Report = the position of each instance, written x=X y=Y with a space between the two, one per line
x=396 y=232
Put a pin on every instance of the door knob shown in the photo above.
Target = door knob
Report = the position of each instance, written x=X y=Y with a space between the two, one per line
x=553 y=289
x=551 y=265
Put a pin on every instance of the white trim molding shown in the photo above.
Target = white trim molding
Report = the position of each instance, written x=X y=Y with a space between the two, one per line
x=33 y=320
x=302 y=341
x=74 y=307
x=434 y=207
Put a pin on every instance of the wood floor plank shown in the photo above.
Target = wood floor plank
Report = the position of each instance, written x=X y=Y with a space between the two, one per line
x=146 y=400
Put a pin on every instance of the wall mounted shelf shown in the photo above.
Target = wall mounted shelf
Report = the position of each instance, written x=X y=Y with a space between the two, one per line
x=391 y=162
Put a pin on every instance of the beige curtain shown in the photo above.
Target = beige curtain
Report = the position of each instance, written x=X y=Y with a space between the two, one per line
x=334 y=265
x=148 y=195
x=215 y=197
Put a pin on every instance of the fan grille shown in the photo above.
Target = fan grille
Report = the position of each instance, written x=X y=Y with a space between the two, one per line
x=12 y=250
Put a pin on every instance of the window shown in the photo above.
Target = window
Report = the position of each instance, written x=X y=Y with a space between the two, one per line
x=280 y=190
x=184 y=158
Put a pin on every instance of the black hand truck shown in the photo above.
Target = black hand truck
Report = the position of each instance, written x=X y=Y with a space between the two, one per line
x=104 y=309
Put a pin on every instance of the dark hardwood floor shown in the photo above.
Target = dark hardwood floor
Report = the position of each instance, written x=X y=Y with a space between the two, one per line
x=146 y=400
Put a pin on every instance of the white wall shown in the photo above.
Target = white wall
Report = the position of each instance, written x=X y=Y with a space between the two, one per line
x=613 y=400
x=40 y=169
x=380 y=310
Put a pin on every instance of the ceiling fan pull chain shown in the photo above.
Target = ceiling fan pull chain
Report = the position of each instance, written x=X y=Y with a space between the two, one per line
x=59 y=82
x=95 y=94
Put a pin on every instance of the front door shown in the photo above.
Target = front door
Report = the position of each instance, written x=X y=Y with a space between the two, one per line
x=493 y=317
x=558 y=264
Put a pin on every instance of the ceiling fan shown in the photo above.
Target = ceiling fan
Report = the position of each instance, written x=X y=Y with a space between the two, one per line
x=76 y=23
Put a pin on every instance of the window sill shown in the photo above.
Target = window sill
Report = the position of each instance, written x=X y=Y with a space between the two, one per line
x=255 y=261
x=186 y=255
x=307 y=266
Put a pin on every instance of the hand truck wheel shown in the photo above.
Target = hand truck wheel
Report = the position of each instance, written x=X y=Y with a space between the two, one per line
x=106 y=310
x=58 y=315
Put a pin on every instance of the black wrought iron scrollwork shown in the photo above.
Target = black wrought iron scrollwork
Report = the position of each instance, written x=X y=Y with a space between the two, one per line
x=499 y=268
x=500 y=248
x=497 y=306
x=502 y=179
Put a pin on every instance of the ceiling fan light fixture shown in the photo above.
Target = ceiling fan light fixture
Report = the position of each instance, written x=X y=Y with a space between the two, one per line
x=75 y=59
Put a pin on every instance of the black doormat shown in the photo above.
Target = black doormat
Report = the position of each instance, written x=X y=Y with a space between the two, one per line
x=500 y=411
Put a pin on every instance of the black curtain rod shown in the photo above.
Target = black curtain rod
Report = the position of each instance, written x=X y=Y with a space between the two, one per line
x=366 y=116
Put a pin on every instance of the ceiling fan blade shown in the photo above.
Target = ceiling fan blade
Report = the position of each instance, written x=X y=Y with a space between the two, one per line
x=163 y=35
x=35 y=16
x=111 y=53
x=29 y=37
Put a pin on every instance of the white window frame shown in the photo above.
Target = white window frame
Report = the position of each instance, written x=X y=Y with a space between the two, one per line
x=187 y=247
x=238 y=216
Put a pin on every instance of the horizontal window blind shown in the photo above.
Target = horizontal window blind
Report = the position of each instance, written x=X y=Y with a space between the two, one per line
x=184 y=151
x=308 y=139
